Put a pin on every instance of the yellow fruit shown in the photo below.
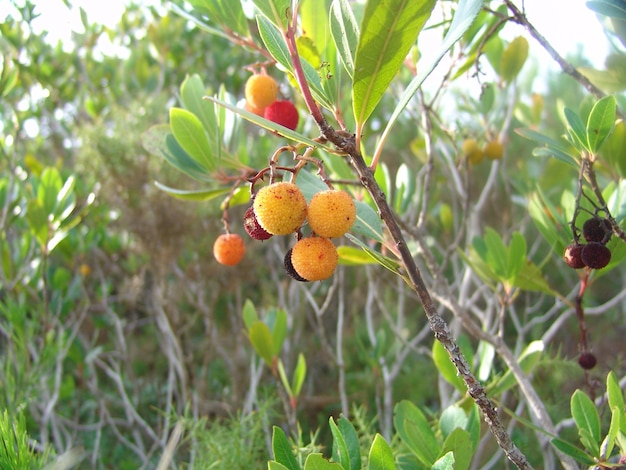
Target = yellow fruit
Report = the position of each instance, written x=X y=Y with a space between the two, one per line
x=494 y=150
x=253 y=110
x=314 y=258
x=280 y=208
x=261 y=91
x=472 y=151
x=331 y=213
x=229 y=249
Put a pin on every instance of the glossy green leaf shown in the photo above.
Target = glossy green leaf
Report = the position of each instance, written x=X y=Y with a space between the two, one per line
x=273 y=465
x=351 y=256
x=379 y=258
x=381 y=455
x=388 y=31
x=299 y=374
x=345 y=32
x=261 y=338
x=614 y=392
x=249 y=313
x=277 y=11
x=576 y=129
x=282 y=449
x=189 y=133
x=600 y=122
x=573 y=451
x=451 y=418
x=464 y=16
x=178 y=158
x=614 y=429
x=193 y=195
x=351 y=439
x=340 y=449
x=415 y=431
x=367 y=222
x=227 y=13
x=527 y=360
x=513 y=58
x=318 y=462
x=587 y=420
x=192 y=91
x=459 y=443
x=283 y=378
x=445 y=462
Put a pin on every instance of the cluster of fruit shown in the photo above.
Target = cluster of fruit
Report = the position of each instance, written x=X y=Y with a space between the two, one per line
x=475 y=154
x=594 y=254
x=261 y=94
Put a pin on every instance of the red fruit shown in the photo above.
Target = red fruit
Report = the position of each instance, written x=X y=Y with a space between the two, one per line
x=284 y=113
x=595 y=255
x=587 y=360
x=252 y=226
x=573 y=256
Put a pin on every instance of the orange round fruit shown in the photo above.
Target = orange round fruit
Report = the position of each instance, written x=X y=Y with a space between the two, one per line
x=260 y=91
x=331 y=213
x=229 y=249
x=314 y=258
x=280 y=208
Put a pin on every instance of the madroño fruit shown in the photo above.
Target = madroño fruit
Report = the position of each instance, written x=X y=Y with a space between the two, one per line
x=284 y=113
x=587 y=360
x=314 y=258
x=573 y=256
x=280 y=208
x=595 y=255
x=229 y=249
x=596 y=229
x=289 y=269
x=472 y=151
x=252 y=226
x=494 y=150
x=331 y=213
x=260 y=91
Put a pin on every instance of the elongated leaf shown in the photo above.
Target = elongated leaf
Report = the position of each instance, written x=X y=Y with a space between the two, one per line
x=340 y=450
x=513 y=58
x=614 y=392
x=189 y=132
x=600 y=122
x=277 y=11
x=445 y=462
x=527 y=360
x=573 y=451
x=587 y=420
x=191 y=92
x=466 y=12
x=193 y=195
x=261 y=338
x=553 y=148
x=381 y=456
x=416 y=432
x=281 y=447
x=249 y=313
x=279 y=329
x=460 y=443
x=388 y=31
x=299 y=375
x=351 y=439
x=318 y=462
x=227 y=13
x=611 y=436
x=345 y=32
x=383 y=260
x=178 y=158
x=351 y=256
x=611 y=9
x=283 y=378
x=576 y=129
x=446 y=367
x=517 y=255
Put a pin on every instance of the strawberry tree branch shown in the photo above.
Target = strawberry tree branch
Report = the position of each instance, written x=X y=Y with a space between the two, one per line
x=347 y=144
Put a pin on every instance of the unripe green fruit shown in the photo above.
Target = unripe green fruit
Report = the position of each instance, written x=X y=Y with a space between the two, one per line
x=283 y=113
x=280 y=208
x=494 y=150
x=260 y=91
x=595 y=255
x=314 y=258
x=472 y=151
x=331 y=213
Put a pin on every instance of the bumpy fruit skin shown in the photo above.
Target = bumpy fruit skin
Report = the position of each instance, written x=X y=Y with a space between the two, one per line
x=280 y=208
x=472 y=151
x=595 y=255
x=596 y=230
x=261 y=91
x=229 y=249
x=283 y=113
x=573 y=256
x=587 y=360
x=289 y=269
x=331 y=213
x=252 y=226
x=314 y=258
x=494 y=150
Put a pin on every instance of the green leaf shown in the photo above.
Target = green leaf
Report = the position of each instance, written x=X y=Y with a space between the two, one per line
x=587 y=421
x=614 y=429
x=273 y=465
x=340 y=450
x=552 y=148
x=614 y=392
x=351 y=439
x=249 y=313
x=460 y=443
x=466 y=12
x=446 y=368
x=451 y=418
x=513 y=58
x=277 y=11
x=527 y=360
x=383 y=260
x=227 y=13
x=191 y=92
x=446 y=462
x=351 y=256
x=279 y=329
x=189 y=133
x=367 y=222
x=50 y=184
x=318 y=462
x=388 y=31
x=600 y=122
x=37 y=220
x=576 y=129
x=608 y=8
x=283 y=452
x=380 y=455
x=283 y=378
x=261 y=338
x=517 y=255
x=345 y=32
x=299 y=375
x=193 y=195
x=573 y=451
x=416 y=432
x=531 y=278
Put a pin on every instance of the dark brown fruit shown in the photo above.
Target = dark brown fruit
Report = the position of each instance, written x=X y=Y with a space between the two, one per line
x=252 y=226
x=595 y=255
x=587 y=360
x=290 y=269
x=596 y=230
x=573 y=256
